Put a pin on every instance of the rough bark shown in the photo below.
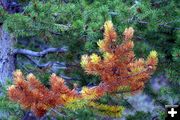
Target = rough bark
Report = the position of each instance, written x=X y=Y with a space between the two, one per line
x=7 y=65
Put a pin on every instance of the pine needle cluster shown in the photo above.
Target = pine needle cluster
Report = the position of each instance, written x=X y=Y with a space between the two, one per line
x=33 y=95
x=119 y=67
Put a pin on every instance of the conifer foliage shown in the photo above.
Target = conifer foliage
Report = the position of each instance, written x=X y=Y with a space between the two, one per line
x=32 y=94
x=118 y=68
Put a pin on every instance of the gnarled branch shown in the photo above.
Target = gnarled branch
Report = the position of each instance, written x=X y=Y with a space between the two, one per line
x=41 y=53
x=61 y=65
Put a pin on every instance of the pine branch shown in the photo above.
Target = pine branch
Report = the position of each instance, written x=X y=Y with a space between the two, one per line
x=41 y=53
x=55 y=33
x=57 y=112
x=66 y=77
x=145 y=22
x=61 y=65
x=161 y=25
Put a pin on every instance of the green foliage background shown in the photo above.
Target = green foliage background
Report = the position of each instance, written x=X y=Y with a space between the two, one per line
x=78 y=24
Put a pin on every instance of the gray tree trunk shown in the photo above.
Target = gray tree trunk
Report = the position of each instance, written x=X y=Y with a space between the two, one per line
x=7 y=65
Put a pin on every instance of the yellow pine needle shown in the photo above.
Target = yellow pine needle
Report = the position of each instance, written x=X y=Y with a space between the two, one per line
x=153 y=54
x=95 y=58
x=113 y=111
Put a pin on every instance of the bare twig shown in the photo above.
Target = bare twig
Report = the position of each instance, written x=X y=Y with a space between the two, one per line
x=57 y=112
x=61 y=65
x=41 y=53
x=66 y=77
x=55 y=33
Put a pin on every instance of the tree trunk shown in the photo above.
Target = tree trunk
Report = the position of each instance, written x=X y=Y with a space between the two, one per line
x=7 y=65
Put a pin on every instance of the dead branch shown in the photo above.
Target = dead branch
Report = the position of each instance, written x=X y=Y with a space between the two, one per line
x=41 y=53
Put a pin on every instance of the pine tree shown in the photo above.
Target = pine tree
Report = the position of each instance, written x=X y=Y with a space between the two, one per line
x=37 y=25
